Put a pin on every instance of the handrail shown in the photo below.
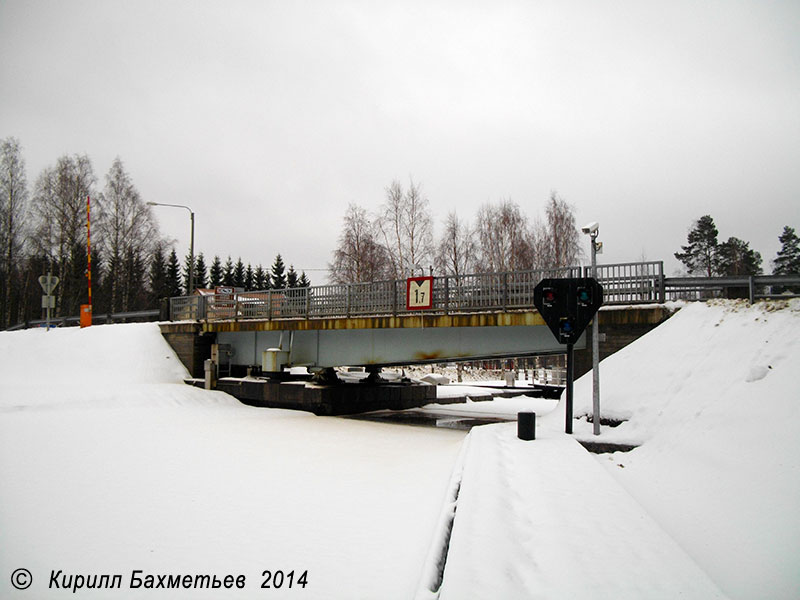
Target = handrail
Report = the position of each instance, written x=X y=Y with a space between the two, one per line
x=150 y=315
x=623 y=283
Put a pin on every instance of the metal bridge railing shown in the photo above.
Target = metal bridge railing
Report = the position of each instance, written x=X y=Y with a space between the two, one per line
x=631 y=283
x=624 y=283
x=464 y=293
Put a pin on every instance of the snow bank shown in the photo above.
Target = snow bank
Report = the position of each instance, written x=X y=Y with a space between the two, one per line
x=109 y=463
x=712 y=395
x=542 y=519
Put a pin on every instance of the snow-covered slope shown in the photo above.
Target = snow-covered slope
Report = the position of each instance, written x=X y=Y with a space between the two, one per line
x=713 y=396
x=109 y=463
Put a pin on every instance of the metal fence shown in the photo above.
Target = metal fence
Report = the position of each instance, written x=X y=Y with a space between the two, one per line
x=624 y=283
x=631 y=283
x=451 y=294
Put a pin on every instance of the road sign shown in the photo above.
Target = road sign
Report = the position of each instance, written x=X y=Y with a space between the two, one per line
x=48 y=283
x=48 y=301
x=419 y=293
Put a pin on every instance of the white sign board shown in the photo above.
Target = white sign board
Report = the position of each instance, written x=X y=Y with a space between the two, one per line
x=419 y=293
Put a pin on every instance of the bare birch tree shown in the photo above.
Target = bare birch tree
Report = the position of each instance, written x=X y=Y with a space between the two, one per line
x=127 y=228
x=359 y=256
x=456 y=252
x=13 y=207
x=562 y=234
x=406 y=228
x=504 y=237
x=59 y=203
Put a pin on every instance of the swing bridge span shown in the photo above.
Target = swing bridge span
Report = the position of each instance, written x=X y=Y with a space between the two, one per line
x=471 y=317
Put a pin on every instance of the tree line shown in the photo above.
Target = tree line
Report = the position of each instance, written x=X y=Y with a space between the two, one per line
x=704 y=255
x=397 y=240
x=43 y=230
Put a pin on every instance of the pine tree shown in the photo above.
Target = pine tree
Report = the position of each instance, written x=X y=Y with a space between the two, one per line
x=215 y=273
x=304 y=281
x=787 y=261
x=238 y=274
x=291 y=277
x=735 y=258
x=278 y=273
x=700 y=255
x=227 y=274
x=173 y=275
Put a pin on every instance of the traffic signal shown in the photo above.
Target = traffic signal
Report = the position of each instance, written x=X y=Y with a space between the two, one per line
x=567 y=305
x=584 y=295
x=549 y=297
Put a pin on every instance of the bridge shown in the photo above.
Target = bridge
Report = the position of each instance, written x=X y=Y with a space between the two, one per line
x=470 y=317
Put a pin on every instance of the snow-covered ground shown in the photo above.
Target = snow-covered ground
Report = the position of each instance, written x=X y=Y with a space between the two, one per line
x=110 y=464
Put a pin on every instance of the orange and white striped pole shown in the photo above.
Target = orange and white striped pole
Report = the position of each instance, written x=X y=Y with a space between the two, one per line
x=86 y=310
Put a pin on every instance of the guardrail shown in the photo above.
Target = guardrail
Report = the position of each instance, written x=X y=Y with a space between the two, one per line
x=140 y=315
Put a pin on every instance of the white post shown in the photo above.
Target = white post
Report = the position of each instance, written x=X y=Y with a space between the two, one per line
x=595 y=349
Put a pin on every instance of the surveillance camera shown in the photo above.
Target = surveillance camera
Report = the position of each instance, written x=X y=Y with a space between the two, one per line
x=591 y=227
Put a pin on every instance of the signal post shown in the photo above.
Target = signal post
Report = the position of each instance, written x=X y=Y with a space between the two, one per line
x=567 y=306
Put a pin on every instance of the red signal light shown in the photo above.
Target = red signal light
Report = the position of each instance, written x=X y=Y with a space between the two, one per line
x=548 y=296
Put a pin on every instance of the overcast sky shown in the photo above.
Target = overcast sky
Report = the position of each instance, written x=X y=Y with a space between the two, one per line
x=268 y=118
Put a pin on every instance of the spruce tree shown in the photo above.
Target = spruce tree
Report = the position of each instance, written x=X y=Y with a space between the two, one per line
x=187 y=260
x=134 y=296
x=278 y=273
x=249 y=278
x=200 y=272
x=215 y=273
x=227 y=274
x=700 y=255
x=260 y=279
x=291 y=277
x=158 y=276
x=238 y=274
x=304 y=281
x=173 y=275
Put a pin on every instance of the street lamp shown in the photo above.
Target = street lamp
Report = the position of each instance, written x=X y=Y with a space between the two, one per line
x=191 y=243
x=592 y=230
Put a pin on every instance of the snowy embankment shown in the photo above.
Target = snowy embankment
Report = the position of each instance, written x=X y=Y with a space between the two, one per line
x=712 y=396
x=109 y=464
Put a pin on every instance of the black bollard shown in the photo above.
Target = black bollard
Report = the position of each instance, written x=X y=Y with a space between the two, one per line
x=526 y=426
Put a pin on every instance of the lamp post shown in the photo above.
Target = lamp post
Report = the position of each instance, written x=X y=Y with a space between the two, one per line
x=592 y=230
x=191 y=243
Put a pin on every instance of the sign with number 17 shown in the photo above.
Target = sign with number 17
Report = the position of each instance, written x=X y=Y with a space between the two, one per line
x=419 y=293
